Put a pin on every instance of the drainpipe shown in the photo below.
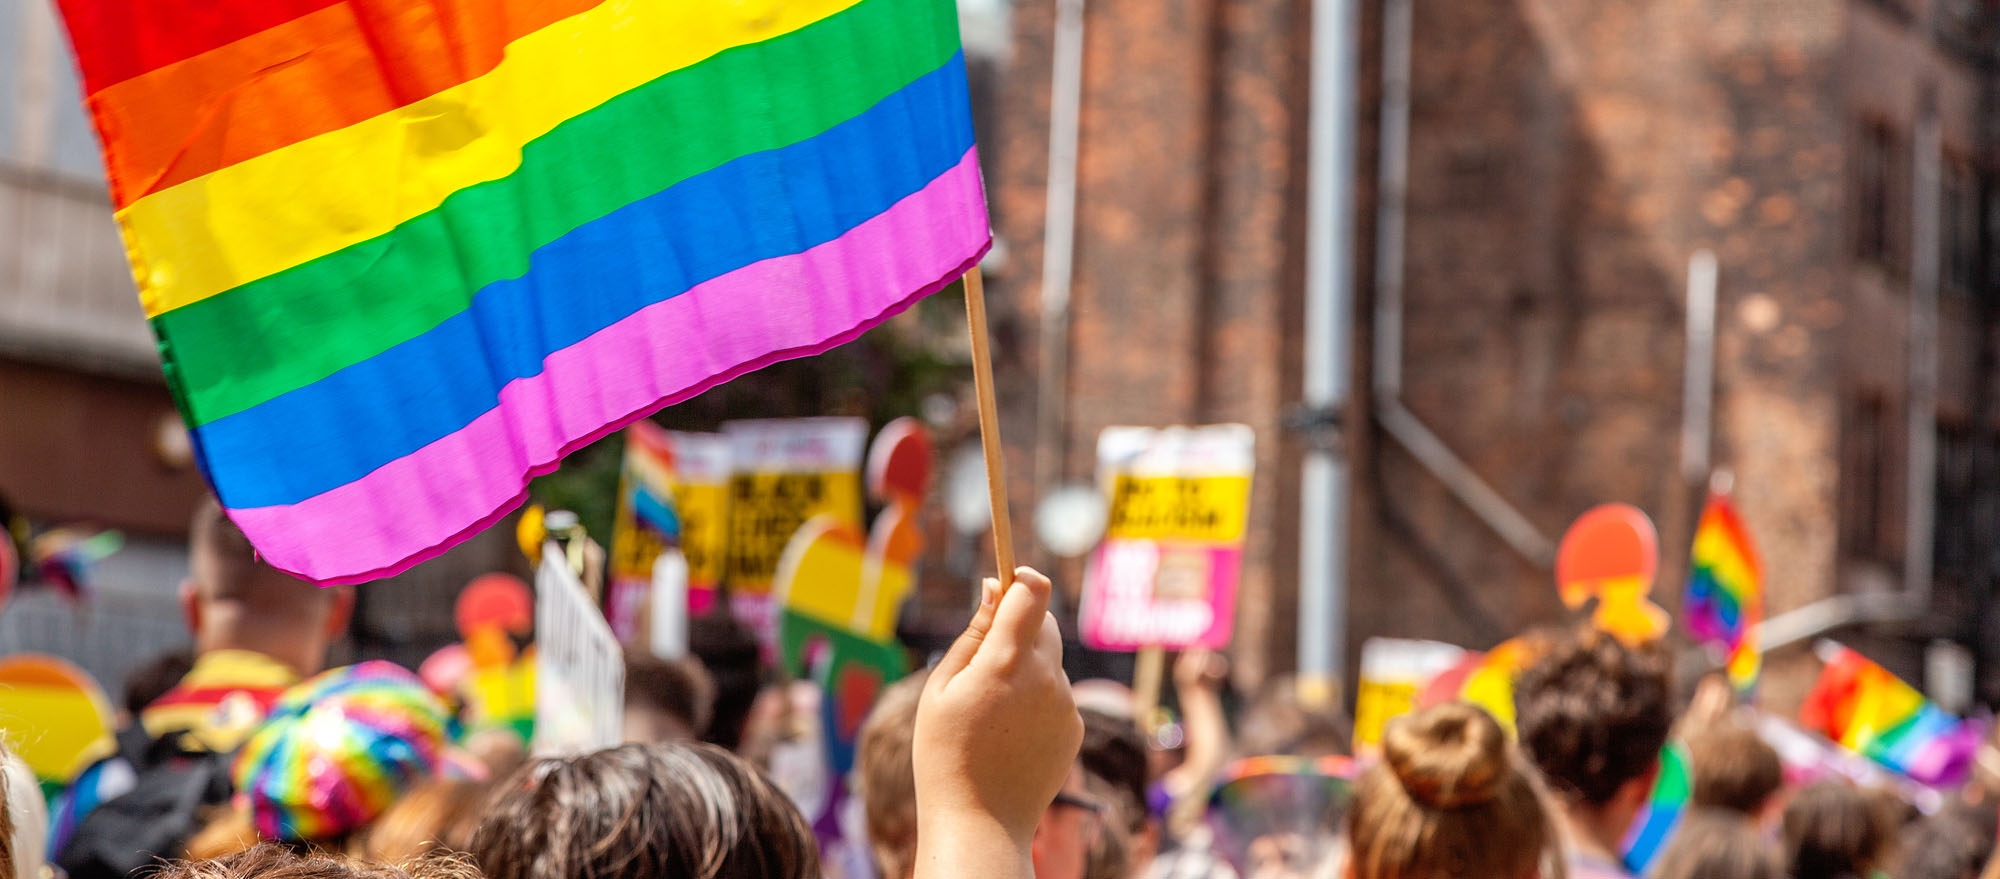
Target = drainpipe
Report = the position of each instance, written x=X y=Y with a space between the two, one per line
x=1329 y=314
x=1059 y=247
x=1398 y=422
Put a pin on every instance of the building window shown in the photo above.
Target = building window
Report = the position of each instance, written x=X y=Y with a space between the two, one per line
x=1954 y=553
x=1881 y=184
x=1864 y=443
x=1959 y=227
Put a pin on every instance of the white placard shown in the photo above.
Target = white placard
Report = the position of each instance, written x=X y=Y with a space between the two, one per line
x=579 y=667
x=670 y=605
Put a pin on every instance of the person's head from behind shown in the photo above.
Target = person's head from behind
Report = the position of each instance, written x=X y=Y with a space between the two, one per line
x=1114 y=758
x=885 y=779
x=685 y=811
x=440 y=814
x=1833 y=829
x=234 y=600
x=1593 y=714
x=666 y=700
x=1955 y=843
x=1278 y=722
x=1450 y=798
x=1717 y=844
x=269 y=861
x=730 y=652
x=1733 y=769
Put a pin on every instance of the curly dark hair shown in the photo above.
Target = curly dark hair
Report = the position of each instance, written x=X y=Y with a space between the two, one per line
x=1594 y=713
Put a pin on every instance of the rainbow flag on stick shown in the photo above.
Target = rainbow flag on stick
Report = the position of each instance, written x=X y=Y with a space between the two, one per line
x=1725 y=591
x=1865 y=709
x=401 y=255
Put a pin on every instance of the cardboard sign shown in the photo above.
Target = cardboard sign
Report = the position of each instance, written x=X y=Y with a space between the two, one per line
x=1611 y=555
x=1393 y=672
x=579 y=667
x=1165 y=573
x=54 y=715
x=839 y=592
x=644 y=524
x=701 y=493
x=785 y=472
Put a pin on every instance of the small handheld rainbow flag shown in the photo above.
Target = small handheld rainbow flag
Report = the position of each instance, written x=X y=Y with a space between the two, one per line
x=401 y=255
x=1725 y=591
x=1665 y=806
x=1867 y=710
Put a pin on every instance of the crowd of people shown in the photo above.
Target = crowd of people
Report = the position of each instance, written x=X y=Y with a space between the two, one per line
x=248 y=759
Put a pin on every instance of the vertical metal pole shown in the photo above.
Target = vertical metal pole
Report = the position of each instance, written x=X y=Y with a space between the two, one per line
x=1698 y=389
x=1392 y=186
x=1059 y=247
x=1329 y=308
x=1920 y=510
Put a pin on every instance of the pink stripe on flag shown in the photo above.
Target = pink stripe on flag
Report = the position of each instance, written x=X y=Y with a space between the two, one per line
x=414 y=507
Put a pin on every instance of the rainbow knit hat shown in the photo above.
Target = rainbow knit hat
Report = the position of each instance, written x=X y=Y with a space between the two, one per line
x=337 y=749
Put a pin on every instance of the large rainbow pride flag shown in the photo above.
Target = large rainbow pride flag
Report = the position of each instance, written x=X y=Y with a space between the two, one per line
x=1725 y=591
x=401 y=255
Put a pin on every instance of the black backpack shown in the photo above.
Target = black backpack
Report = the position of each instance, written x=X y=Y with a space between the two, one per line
x=175 y=791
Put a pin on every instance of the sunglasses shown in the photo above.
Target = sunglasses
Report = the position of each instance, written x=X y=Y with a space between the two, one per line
x=1074 y=802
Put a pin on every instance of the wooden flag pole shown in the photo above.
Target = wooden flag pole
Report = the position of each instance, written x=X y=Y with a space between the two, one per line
x=989 y=424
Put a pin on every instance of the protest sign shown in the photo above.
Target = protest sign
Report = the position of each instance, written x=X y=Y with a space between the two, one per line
x=701 y=494
x=579 y=667
x=1165 y=573
x=1393 y=672
x=644 y=524
x=54 y=715
x=1610 y=555
x=784 y=472
x=839 y=592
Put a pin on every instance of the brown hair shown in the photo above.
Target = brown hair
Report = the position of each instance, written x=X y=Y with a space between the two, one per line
x=679 y=688
x=1834 y=829
x=1593 y=713
x=438 y=814
x=271 y=861
x=1448 y=799
x=1717 y=844
x=642 y=811
x=1113 y=753
x=885 y=780
x=1733 y=769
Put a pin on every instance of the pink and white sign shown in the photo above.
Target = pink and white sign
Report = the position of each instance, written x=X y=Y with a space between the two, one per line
x=1165 y=573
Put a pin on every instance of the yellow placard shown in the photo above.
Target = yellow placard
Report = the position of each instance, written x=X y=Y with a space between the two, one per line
x=704 y=530
x=766 y=509
x=1199 y=508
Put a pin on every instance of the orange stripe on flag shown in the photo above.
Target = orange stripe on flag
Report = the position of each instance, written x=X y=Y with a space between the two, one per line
x=314 y=74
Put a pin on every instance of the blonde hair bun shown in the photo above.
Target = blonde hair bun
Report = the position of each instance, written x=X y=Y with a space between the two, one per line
x=1451 y=756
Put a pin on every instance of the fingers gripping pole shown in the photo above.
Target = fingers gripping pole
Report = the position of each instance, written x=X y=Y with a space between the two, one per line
x=989 y=424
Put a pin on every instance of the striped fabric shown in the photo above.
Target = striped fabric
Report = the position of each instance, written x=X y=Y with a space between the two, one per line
x=400 y=255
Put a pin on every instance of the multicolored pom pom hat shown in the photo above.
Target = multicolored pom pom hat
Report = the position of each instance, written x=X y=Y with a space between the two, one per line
x=337 y=749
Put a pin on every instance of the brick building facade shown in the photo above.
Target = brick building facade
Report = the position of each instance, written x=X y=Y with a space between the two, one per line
x=1566 y=158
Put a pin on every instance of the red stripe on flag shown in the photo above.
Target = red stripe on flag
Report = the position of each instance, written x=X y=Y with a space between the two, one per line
x=116 y=40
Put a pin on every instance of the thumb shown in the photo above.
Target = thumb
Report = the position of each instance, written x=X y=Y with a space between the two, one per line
x=1022 y=610
x=967 y=644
